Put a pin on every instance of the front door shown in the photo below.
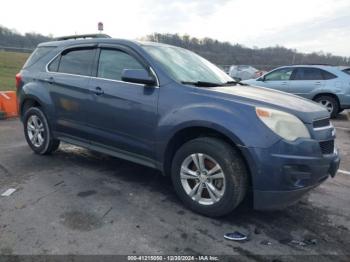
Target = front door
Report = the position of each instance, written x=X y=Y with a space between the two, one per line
x=278 y=79
x=123 y=115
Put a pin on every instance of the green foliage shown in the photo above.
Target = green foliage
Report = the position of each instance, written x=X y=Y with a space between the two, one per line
x=10 y=64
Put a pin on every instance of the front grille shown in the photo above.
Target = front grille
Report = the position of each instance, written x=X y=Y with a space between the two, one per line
x=321 y=123
x=327 y=147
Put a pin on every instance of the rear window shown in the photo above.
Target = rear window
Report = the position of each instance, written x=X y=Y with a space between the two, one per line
x=38 y=53
x=347 y=71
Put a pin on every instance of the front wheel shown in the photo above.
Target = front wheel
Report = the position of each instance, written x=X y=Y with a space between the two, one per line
x=37 y=132
x=209 y=176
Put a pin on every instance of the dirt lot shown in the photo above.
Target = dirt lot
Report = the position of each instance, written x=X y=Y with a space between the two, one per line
x=80 y=202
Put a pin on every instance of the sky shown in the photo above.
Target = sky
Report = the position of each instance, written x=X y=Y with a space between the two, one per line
x=305 y=25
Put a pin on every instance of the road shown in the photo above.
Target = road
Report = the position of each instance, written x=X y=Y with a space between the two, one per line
x=80 y=202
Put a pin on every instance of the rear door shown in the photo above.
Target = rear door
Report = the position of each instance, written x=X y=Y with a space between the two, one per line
x=278 y=79
x=67 y=79
x=124 y=115
x=306 y=79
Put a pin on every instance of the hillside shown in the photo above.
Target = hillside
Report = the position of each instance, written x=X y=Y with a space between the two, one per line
x=10 y=38
x=10 y=64
x=220 y=53
x=224 y=53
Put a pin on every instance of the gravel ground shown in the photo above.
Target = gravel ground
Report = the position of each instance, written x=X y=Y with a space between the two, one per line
x=80 y=202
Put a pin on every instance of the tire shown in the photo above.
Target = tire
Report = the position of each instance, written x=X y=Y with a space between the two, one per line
x=36 y=124
x=330 y=103
x=231 y=182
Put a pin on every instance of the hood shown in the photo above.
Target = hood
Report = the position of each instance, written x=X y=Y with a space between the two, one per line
x=306 y=110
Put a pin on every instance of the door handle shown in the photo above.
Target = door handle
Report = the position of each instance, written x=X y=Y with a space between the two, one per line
x=98 y=91
x=318 y=83
x=50 y=80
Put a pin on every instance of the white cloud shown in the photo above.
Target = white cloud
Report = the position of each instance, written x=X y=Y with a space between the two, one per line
x=251 y=22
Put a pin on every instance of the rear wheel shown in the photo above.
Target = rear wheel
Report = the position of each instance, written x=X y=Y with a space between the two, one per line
x=330 y=103
x=209 y=176
x=37 y=132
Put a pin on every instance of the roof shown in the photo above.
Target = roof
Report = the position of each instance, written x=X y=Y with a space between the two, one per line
x=87 y=39
x=312 y=66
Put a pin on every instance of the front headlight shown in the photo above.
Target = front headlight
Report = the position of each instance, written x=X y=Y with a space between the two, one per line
x=283 y=124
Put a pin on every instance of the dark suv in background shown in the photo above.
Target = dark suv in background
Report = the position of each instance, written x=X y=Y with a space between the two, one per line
x=170 y=109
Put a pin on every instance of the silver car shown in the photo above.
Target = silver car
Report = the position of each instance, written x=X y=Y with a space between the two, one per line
x=243 y=72
x=327 y=85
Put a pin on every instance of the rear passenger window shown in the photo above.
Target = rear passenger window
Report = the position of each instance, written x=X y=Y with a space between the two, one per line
x=308 y=74
x=327 y=75
x=77 y=62
x=113 y=62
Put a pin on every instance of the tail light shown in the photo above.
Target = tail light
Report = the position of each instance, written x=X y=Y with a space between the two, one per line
x=18 y=80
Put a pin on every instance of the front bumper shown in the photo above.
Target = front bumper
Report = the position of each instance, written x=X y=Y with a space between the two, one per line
x=280 y=179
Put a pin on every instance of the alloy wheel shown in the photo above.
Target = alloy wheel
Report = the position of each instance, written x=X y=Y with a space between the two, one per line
x=35 y=131
x=327 y=104
x=202 y=178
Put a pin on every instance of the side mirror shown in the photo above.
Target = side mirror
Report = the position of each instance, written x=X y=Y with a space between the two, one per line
x=138 y=76
x=262 y=78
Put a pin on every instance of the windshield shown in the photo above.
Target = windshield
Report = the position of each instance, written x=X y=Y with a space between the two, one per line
x=186 y=66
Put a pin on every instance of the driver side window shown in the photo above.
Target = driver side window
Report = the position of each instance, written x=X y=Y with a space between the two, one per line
x=113 y=62
x=282 y=74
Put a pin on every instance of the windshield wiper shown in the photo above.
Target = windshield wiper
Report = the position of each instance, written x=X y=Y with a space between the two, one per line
x=211 y=84
x=230 y=83
x=201 y=83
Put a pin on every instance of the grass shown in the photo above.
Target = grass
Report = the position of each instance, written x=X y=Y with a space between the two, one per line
x=10 y=64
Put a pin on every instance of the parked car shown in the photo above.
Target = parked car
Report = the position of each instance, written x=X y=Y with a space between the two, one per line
x=327 y=85
x=345 y=69
x=167 y=108
x=243 y=72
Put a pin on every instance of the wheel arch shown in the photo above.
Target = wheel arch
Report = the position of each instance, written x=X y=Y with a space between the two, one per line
x=186 y=134
x=27 y=102
x=326 y=94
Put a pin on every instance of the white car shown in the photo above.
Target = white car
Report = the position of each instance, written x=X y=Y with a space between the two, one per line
x=243 y=72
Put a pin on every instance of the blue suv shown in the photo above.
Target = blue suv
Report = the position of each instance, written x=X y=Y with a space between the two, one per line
x=167 y=108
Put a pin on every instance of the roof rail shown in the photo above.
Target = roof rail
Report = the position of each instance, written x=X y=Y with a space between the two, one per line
x=81 y=37
x=316 y=64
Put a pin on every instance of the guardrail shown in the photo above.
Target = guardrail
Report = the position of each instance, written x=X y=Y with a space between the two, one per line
x=16 y=49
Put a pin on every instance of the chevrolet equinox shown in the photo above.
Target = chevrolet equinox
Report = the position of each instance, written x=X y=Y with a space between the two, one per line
x=168 y=108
